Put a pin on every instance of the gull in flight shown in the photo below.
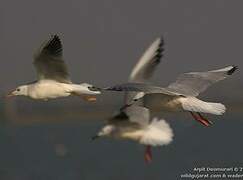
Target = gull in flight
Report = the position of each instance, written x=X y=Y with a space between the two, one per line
x=134 y=122
x=180 y=95
x=53 y=77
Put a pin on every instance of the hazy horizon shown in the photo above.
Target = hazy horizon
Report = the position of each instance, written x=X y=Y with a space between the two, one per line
x=102 y=41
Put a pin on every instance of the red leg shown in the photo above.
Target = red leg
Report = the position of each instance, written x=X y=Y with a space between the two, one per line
x=148 y=154
x=201 y=119
x=201 y=116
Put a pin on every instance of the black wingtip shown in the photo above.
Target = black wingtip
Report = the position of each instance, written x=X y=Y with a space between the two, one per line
x=161 y=44
x=160 y=50
x=162 y=40
x=55 y=38
x=122 y=115
x=54 y=45
x=232 y=70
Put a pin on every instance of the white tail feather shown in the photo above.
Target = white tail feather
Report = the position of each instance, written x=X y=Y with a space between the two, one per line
x=158 y=133
x=197 y=105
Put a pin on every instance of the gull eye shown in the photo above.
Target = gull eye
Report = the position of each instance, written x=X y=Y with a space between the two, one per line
x=92 y=88
x=18 y=89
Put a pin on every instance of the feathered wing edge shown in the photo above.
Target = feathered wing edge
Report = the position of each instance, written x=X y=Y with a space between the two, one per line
x=157 y=133
x=52 y=47
x=194 y=83
x=147 y=64
x=49 y=62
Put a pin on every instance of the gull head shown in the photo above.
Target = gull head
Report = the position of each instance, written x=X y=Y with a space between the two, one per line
x=19 y=91
x=90 y=89
x=105 y=131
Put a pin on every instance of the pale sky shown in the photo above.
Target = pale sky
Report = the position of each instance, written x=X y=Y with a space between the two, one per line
x=103 y=39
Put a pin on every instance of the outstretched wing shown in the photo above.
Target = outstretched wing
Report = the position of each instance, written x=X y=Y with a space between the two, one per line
x=193 y=83
x=139 y=90
x=156 y=132
x=136 y=115
x=49 y=62
x=140 y=87
x=146 y=66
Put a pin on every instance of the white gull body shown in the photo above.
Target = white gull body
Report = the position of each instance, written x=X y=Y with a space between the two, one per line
x=180 y=95
x=134 y=122
x=53 y=77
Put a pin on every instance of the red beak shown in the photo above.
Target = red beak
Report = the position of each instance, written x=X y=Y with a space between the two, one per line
x=10 y=94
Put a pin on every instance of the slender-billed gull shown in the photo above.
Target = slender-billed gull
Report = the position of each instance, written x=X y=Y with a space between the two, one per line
x=134 y=123
x=53 y=77
x=180 y=95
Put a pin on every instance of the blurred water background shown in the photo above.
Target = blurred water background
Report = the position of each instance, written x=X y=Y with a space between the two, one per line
x=51 y=140
x=102 y=41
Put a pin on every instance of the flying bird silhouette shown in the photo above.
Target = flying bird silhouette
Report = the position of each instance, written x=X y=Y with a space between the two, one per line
x=135 y=122
x=180 y=95
x=53 y=79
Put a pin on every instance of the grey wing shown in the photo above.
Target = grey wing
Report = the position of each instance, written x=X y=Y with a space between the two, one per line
x=141 y=89
x=49 y=62
x=132 y=115
x=146 y=66
x=193 y=83
x=138 y=114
